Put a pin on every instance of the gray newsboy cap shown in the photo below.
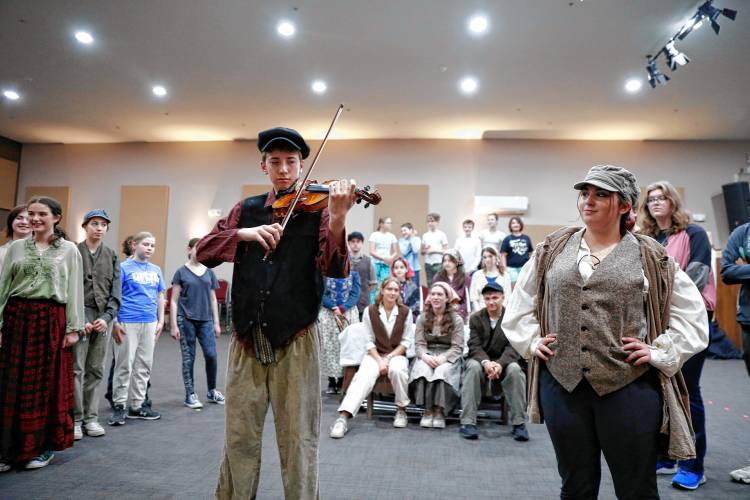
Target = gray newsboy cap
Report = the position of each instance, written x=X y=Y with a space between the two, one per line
x=611 y=178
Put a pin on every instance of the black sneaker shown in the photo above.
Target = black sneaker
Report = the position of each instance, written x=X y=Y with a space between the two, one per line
x=331 y=386
x=468 y=431
x=118 y=416
x=144 y=413
x=520 y=433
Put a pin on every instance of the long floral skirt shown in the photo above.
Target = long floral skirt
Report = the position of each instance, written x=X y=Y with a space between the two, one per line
x=36 y=381
x=330 y=348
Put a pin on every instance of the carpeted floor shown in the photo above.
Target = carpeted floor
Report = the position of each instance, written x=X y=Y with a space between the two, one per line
x=178 y=456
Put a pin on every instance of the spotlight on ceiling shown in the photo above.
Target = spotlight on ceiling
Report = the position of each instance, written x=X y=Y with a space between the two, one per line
x=159 y=90
x=286 y=29
x=674 y=57
x=478 y=24
x=319 y=87
x=693 y=23
x=84 y=37
x=633 y=85
x=11 y=95
x=469 y=85
x=654 y=75
x=712 y=14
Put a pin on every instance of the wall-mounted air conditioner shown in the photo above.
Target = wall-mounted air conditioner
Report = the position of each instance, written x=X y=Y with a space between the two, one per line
x=510 y=205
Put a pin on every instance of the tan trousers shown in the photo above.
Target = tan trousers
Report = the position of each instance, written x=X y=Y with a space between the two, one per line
x=292 y=386
x=133 y=360
x=366 y=376
x=88 y=370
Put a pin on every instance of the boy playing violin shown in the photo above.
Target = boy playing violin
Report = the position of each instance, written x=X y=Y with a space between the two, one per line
x=273 y=354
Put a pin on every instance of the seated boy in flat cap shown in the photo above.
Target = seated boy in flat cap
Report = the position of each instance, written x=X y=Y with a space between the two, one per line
x=273 y=355
x=492 y=360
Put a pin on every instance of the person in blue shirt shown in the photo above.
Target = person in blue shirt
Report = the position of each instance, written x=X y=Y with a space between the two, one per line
x=141 y=320
x=410 y=246
x=337 y=311
x=194 y=314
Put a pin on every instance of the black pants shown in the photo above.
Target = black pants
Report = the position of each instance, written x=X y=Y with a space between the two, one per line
x=624 y=425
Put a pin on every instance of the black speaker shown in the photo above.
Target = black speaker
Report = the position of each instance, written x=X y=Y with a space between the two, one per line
x=737 y=202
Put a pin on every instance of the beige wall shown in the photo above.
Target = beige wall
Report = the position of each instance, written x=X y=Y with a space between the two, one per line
x=211 y=175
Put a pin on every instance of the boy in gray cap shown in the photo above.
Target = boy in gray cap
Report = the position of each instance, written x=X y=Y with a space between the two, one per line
x=101 y=292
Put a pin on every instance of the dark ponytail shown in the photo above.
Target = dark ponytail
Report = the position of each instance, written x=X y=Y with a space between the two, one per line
x=56 y=209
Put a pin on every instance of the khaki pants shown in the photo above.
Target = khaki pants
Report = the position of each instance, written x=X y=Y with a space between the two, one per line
x=474 y=380
x=88 y=370
x=133 y=360
x=292 y=387
x=365 y=378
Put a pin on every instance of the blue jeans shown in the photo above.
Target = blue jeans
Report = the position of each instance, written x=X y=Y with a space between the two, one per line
x=204 y=332
x=691 y=371
x=415 y=279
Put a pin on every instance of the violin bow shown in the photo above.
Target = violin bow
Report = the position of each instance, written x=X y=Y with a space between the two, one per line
x=301 y=187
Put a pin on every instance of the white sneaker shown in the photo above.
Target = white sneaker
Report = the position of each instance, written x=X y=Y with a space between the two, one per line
x=93 y=429
x=400 y=420
x=438 y=422
x=741 y=475
x=4 y=467
x=340 y=426
x=193 y=402
x=77 y=432
x=41 y=461
x=426 y=420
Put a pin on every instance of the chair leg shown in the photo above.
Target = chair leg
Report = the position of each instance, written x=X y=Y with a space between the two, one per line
x=504 y=414
x=370 y=401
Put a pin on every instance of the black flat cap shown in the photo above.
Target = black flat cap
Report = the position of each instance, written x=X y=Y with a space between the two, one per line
x=492 y=287
x=278 y=135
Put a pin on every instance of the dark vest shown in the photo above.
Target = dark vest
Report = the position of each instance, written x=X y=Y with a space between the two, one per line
x=282 y=295
x=590 y=318
x=383 y=343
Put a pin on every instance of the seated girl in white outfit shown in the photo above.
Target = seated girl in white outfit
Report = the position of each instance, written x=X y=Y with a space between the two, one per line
x=389 y=325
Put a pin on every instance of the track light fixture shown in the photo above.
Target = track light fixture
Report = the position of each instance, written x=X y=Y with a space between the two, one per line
x=674 y=57
x=654 y=75
x=712 y=13
x=706 y=11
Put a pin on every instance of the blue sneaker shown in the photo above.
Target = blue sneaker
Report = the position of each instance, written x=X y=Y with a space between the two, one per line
x=666 y=467
x=686 y=480
x=215 y=396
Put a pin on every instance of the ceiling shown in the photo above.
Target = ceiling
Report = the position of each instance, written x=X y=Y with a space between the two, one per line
x=547 y=69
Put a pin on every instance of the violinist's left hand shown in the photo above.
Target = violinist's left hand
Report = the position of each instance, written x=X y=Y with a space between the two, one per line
x=640 y=353
x=340 y=200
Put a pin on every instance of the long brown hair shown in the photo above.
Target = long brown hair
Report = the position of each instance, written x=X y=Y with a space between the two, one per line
x=56 y=209
x=449 y=316
x=379 y=296
x=12 y=218
x=460 y=276
x=680 y=218
x=498 y=263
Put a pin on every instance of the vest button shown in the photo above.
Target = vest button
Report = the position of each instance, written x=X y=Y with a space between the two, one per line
x=265 y=324
x=584 y=349
x=584 y=328
x=584 y=307
x=268 y=292
x=585 y=289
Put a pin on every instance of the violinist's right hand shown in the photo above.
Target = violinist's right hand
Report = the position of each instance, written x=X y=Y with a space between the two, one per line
x=267 y=236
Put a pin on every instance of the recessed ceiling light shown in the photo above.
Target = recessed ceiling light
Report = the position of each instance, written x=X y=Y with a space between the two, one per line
x=319 y=87
x=469 y=85
x=478 y=24
x=286 y=29
x=633 y=85
x=11 y=95
x=84 y=37
x=159 y=90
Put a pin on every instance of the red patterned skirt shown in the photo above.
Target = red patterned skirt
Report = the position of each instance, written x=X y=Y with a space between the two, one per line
x=36 y=380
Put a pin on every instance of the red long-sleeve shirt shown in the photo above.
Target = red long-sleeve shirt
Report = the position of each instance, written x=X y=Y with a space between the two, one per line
x=220 y=245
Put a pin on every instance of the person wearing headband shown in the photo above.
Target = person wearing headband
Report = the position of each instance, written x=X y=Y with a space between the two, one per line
x=435 y=377
x=607 y=319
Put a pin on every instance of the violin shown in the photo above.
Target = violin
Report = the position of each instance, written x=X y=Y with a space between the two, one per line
x=314 y=198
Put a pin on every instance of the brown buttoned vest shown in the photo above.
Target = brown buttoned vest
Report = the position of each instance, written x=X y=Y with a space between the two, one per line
x=591 y=317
